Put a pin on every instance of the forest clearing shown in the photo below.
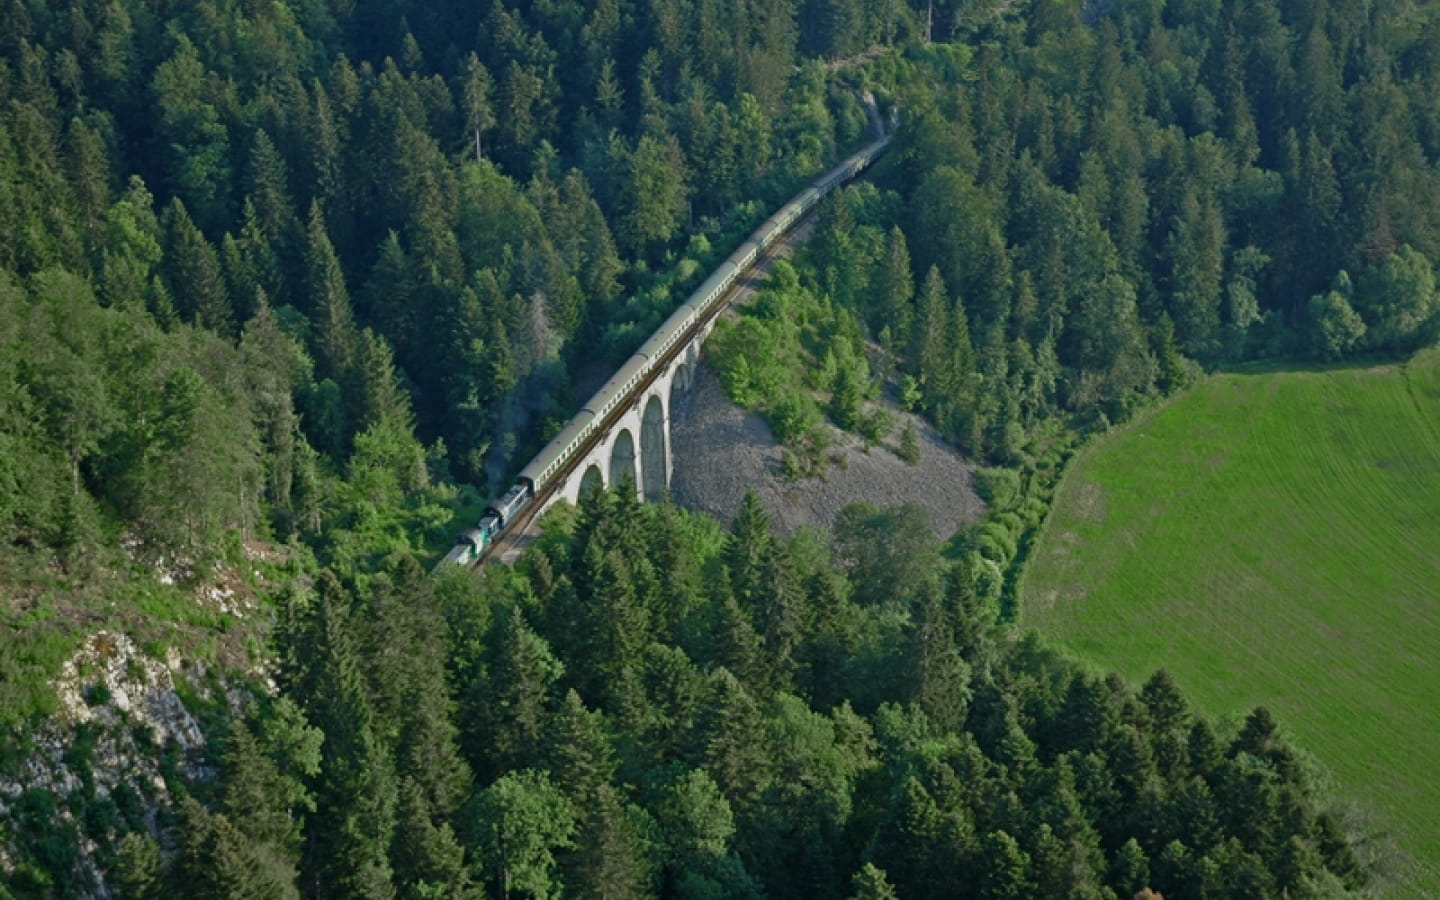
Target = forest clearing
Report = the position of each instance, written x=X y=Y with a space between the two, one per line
x=1274 y=537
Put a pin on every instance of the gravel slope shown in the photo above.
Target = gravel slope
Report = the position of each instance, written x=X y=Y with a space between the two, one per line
x=721 y=451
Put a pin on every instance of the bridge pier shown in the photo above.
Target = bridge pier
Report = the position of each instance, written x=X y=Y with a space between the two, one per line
x=638 y=443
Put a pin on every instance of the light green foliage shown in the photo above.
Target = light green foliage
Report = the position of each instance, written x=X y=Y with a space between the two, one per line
x=1335 y=327
x=387 y=503
x=1399 y=300
x=131 y=246
x=696 y=820
x=522 y=819
x=871 y=884
x=875 y=426
x=997 y=487
x=793 y=352
x=652 y=193
x=1263 y=531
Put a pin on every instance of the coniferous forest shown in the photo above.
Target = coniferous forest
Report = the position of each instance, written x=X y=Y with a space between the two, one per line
x=284 y=285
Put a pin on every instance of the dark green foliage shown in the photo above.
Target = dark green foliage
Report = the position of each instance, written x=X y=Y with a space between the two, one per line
x=356 y=795
x=374 y=225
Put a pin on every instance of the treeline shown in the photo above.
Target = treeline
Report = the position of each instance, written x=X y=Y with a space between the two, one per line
x=650 y=706
x=1080 y=209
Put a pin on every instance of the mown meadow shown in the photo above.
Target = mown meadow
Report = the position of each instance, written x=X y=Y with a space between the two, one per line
x=1273 y=537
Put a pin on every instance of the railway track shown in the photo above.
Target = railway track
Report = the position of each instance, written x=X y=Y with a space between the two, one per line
x=513 y=540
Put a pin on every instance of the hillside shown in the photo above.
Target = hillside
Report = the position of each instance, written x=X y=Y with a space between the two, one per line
x=721 y=451
x=285 y=286
x=1274 y=537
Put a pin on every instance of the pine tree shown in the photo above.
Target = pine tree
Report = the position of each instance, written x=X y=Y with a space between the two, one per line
x=577 y=751
x=611 y=854
x=748 y=549
x=191 y=127
x=732 y=744
x=906 y=845
x=931 y=353
x=429 y=858
x=511 y=703
x=1130 y=870
x=940 y=678
x=909 y=449
x=264 y=795
x=337 y=341
x=406 y=641
x=475 y=101
x=354 y=821
x=1163 y=700
x=267 y=184
x=894 y=289
x=193 y=273
x=379 y=398
x=1003 y=868
x=218 y=859
x=1196 y=252
x=870 y=883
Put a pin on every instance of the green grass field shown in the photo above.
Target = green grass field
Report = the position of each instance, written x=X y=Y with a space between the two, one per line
x=1274 y=538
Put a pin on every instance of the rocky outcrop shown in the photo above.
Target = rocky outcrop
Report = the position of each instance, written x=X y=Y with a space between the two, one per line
x=121 y=731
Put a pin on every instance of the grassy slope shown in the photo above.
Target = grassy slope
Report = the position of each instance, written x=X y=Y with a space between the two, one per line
x=1274 y=538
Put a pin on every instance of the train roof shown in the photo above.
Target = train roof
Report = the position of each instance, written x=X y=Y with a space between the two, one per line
x=605 y=398
x=542 y=467
x=707 y=287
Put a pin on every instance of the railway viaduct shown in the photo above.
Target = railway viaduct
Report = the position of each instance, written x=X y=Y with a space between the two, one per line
x=632 y=436
x=636 y=439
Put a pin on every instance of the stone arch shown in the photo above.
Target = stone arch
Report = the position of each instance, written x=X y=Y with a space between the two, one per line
x=592 y=480
x=654 y=467
x=680 y=381
x=622 y=458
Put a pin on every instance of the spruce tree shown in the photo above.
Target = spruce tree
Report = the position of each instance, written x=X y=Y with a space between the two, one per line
x=193 y=273
x=337 y=340
x=354 y=821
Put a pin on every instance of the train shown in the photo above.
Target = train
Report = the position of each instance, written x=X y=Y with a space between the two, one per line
x=553 y=459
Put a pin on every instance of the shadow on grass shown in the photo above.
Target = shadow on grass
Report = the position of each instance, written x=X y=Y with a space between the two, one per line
x=1424 y=356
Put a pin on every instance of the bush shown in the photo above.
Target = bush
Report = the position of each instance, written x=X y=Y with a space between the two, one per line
x=1334 y=326
x=794 y=417
x=909 y=445
x=876 y=426
x=989 y=580
x=995 y=542
x=997 y=487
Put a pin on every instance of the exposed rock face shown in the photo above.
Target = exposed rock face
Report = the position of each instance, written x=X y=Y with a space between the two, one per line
x=137 y=691
x=126 y=706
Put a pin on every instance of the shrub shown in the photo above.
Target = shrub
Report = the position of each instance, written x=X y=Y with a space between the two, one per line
x=794 y=416
x=997 y=487
x=909 y=445
x=876 y=426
